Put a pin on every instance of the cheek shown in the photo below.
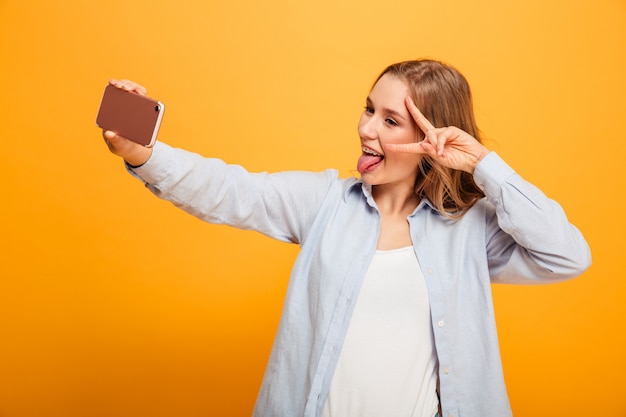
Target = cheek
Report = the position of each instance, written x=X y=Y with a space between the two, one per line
x=405 y=136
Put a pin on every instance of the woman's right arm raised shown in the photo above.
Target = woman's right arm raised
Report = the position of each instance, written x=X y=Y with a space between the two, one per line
x=281 y=205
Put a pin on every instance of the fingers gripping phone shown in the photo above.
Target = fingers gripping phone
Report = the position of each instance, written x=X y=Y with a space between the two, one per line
x=130 y=115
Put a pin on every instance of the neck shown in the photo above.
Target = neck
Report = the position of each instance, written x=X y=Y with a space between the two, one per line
x=395 y=198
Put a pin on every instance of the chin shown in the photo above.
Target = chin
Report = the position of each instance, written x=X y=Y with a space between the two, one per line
x=369 y=179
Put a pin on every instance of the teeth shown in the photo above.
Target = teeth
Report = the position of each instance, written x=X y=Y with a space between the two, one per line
x=371 y=152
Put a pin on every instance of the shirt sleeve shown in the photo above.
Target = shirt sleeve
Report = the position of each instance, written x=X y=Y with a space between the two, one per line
x=280 y=205
x=529 y=238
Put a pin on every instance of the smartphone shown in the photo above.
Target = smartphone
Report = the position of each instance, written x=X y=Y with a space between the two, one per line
x=130 y=115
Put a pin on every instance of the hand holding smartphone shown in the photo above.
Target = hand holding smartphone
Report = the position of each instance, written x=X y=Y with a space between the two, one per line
x=131 y=115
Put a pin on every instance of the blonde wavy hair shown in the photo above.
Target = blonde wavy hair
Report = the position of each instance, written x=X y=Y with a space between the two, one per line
x=443 y=95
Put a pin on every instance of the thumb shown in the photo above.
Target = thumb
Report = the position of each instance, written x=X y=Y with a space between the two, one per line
x=109 y=135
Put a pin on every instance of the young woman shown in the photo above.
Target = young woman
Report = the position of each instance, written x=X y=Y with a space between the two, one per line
x=389 y=308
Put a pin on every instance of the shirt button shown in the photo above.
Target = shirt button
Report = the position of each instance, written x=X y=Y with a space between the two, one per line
x=429 y=270
x=446 y=371
x=440 y=323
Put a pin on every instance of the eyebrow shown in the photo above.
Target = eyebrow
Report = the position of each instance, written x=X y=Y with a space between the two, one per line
x=387 y=110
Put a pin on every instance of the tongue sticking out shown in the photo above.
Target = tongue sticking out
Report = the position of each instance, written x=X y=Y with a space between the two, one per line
x=368 y=162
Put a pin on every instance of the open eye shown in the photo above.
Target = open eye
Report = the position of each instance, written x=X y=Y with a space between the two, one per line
x=391 y=122
x=369 y=109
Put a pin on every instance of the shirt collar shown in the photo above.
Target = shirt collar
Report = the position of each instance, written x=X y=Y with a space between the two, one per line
x=357 y=185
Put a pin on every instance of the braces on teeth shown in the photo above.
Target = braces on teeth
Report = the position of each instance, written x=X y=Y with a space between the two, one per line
x=371 y=152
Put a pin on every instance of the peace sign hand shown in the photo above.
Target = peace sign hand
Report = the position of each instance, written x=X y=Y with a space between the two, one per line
x=449 y=146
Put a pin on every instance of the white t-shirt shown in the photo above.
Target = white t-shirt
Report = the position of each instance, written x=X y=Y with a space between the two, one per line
x=388 y=363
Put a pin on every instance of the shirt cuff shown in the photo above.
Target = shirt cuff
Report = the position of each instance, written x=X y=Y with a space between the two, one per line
x=156 y=168
x=491 y=173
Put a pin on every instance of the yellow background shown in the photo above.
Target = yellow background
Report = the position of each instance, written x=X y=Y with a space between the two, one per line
x=113 y=303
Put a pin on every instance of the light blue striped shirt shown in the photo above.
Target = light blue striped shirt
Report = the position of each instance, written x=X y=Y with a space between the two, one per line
x=513 y=235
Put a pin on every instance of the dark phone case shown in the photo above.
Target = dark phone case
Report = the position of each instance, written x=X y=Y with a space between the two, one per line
x=130 y=115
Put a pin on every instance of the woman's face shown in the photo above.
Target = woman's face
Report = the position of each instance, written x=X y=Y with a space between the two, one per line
x=387 y=120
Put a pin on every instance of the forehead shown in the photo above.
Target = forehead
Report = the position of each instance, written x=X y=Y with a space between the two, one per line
x=391 y=89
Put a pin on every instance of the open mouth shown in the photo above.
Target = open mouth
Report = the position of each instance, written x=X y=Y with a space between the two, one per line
x=369 y=151
x=369 y=160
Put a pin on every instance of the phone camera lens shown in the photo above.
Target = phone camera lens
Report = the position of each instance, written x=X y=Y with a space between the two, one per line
x=156 y=108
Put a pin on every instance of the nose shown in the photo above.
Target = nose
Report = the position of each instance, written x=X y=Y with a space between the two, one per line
x=367 y=128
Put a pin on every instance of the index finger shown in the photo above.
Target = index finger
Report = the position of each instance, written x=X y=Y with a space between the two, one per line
x=422 y=122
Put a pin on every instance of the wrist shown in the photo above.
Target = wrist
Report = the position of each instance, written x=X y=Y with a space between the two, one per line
x=477 y=158
x=138 y=157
